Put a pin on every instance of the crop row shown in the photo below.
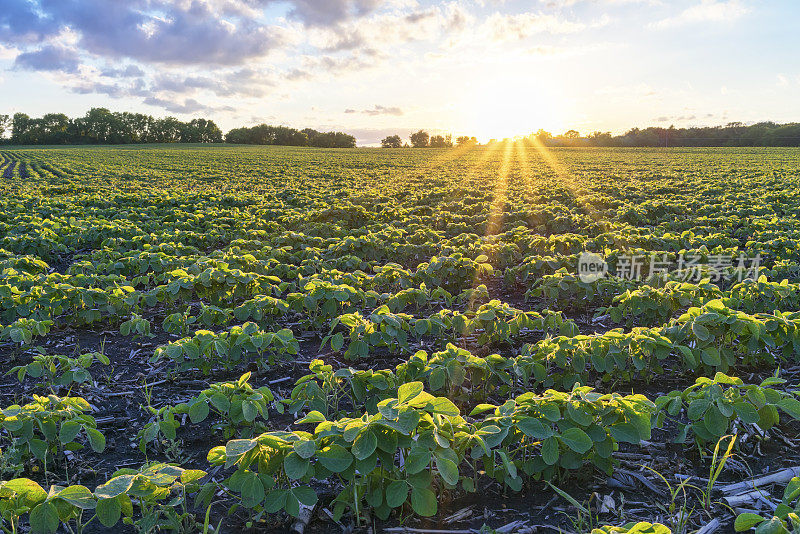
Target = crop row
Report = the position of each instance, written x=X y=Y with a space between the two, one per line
x=406 y=452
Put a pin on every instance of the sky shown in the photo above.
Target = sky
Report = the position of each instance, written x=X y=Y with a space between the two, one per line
x=489 y=68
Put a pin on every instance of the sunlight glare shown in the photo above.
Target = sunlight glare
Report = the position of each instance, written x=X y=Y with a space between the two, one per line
x=500 y=110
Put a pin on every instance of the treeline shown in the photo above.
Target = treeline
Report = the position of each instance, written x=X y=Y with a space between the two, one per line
x=101 y=126
x=732 y=134
x=423 y=139
x=264 y=134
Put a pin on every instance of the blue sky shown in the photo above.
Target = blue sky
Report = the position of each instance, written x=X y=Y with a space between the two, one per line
x=490 y=68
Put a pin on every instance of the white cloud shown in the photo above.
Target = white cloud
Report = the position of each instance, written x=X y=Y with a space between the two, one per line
x=641 y=90
x=502 y=28
x=550 y=51
x=377 y=110
x=8 y=52
x=783 y=81
x=386 y=30
x=705 y=11
x=569 y=3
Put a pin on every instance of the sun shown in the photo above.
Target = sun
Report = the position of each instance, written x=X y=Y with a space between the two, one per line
x=508 y=108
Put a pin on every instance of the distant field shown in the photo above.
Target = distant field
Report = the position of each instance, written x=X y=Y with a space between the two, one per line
x=397 y=335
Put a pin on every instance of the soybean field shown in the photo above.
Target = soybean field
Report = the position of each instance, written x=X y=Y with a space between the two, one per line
x=501 y=338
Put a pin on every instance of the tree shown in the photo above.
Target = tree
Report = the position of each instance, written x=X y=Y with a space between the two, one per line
x=5 y=122
x=101 y=126
x=54 y=129
x=572 y=134
x=133 y=127
x=237 y=135
x=200 y=131
x=264 y=134
x=167 y=130
x=329 y=139
x=441 y=141
x=20 y=125
x=419 y=139
x=392 y=141
x=465 y=140
x=542 y=136
x=600 y=139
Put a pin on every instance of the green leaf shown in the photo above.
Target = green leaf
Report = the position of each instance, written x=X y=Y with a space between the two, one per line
x=697 y=408
x=275 y=500
x=715 y=422
x=335 y=458
x=364 y=445
x=114 y=487
x=68 y=431
x=337 y=341
x=17 y=335
x=421 y=327
x=423 y=501
x=710 y=356
x=569 y=498
x=447 y=469
x=468 y=484
x=292 y=505
x=624 y=432
x=443 y=406
x=44 y=519
x=791 y=407
x=79 y=496
x=192 y=475
x=746 y=521
x=294 y=466
x=96 y=439
x=746 y=412
x=418 y=459
x=577 y=440
x=480 y=408
x=768 y=417
x=249 y=410
x=550 y=450
x=38 y=448
x=252 y=490
x=409 y=391
x=220 y=402
x=700 y=331
x=534 y=428
x=216 y=455
x=396 y=493
x=108 y=511
x=237 y=447
x=305 y=448
x=32 y=492
x=757 y=397
x=771 y=526
x=313 y=416
x=305 y=495
x=198 y=411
